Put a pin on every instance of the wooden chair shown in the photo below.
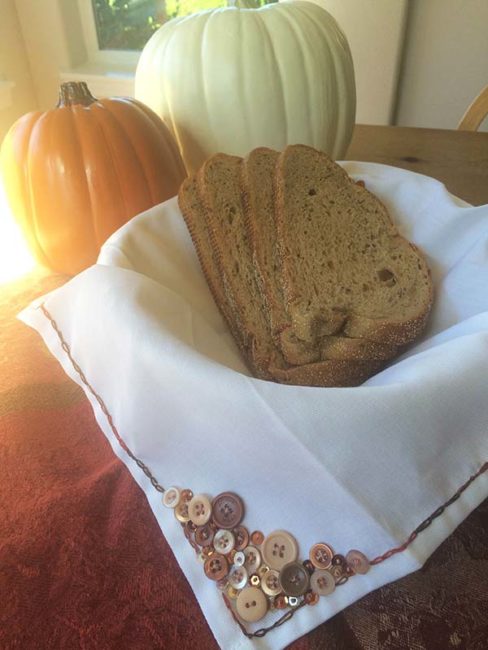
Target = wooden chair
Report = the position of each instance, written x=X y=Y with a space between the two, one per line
x=476 y=113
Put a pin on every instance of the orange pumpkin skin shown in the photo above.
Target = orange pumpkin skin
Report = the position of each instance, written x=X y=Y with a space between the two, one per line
x=76 y=173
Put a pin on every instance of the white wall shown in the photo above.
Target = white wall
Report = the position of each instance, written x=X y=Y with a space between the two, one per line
x=19 y=98
x=445 y=63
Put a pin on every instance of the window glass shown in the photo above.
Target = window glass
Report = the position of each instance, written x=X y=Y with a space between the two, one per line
x=128 y=24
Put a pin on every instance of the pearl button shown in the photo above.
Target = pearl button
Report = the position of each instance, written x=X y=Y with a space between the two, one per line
x=251 y=604
x=279 y=548
x=171 y=497
x=253 y=559
x=223 y=541
x=270 y=582
x=239 y=558
x=199 y=509
x=238 y=577
x=322 y=582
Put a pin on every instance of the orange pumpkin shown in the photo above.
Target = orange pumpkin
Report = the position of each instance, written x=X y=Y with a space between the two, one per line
x=76 y=173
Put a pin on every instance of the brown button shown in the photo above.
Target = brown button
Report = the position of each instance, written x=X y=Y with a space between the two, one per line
x=242 y=538
x=337 y=572
x=279 y=548
x=216 y=567
x=186 y=495
x=311 y=598
x=280 y=602
x=227 y=510
x=270 y=582
x=322 y=582
x=204 y=535
x=357 y=561
x=257 y=538
x=251 y=604
x=199 y=509
x=321 y=555
x=338 y=560
x=294 y=579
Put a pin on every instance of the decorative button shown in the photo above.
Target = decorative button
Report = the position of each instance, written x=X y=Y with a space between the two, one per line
x=270 y=583
x=322 y=582
x=171 y=497
x=199 y=509
x=238 y=577
x=251 y=604
x=294 y=579
x=216 y=567
x=321 y=556
x=357 y=561
x=223 y=541
x=242 y=538
x=239 y=558
x=257 y=538
x=227 y=510
x=204 y=535
x=181 y=512
x=279 y=548
x=253 y=559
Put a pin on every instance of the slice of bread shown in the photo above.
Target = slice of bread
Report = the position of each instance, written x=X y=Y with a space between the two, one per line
x=219 y=186
x=192 y=209
x=258 y=175
x=346 y=270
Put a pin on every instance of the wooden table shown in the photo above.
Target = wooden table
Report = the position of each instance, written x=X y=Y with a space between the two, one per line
x=459 y=159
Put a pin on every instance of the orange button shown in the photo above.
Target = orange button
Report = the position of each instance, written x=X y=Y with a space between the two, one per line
x=321 y=555
x=216 y=567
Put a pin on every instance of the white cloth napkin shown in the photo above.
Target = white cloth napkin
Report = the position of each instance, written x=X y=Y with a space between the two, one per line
x=353 y=467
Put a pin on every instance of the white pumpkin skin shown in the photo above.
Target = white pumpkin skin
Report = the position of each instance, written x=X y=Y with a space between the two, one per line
x=234 y=79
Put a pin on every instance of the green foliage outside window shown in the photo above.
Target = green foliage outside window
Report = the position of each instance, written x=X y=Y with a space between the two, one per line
x=128 y=24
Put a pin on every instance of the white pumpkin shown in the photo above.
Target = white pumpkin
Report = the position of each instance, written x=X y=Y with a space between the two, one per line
x=233 y=79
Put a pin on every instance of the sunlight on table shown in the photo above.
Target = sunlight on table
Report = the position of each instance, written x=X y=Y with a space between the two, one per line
x=15 y=258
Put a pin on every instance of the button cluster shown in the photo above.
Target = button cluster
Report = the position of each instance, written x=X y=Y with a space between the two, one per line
x=258 y=573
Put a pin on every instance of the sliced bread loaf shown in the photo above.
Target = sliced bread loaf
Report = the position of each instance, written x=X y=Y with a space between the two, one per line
x=345 y=268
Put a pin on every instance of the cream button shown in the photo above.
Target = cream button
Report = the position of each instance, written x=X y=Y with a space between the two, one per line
x=253 y=559
x=181 y=512
x=171 y=497
x=322 y=582
x=199 y=509
x=238 y=577
x=270 y=582
x=251 y=604
x=279 y=548
x=223 y=541
x=358 y=562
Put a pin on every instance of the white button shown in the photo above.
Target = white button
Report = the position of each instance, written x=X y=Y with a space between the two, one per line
x=224 y=541
x=239 y=558
x=199 y=509
x=171 y=497
x=238 y=577
x=251 y=604
x=253 y=559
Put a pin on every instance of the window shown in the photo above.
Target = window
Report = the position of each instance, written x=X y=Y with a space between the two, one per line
x=128 y=24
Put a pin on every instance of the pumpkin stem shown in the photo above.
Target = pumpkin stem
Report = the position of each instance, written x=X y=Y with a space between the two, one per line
x=75 y=92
